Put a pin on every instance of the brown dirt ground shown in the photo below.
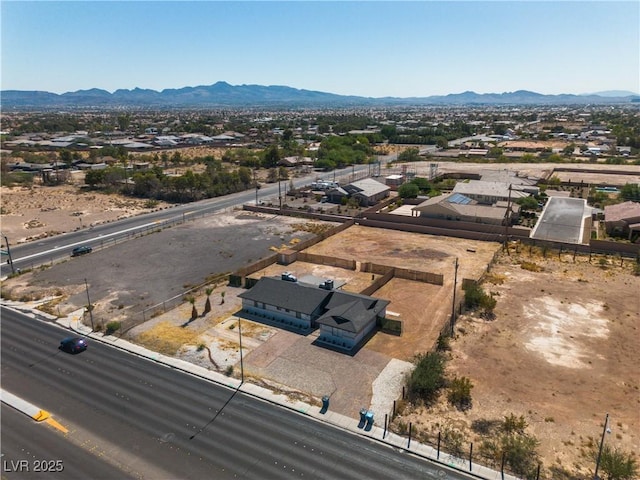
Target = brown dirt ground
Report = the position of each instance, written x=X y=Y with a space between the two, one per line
x=423 y=308
x=30 y=213
x=562 y=351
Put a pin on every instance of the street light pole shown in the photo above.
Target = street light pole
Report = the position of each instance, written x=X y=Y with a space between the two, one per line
x=9 y=253
x=604 y=431
x=241 y=364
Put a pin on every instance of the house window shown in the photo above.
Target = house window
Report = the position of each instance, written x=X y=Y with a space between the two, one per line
x=255 y=303
x=298 y=315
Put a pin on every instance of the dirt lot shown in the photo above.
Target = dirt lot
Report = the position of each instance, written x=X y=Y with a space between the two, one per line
x=29 y=213
x=563 y=349
x=424 y=308
x=562 y=352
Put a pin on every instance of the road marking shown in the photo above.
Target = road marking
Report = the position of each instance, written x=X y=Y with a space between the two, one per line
x=100 y=237
x=56 y=425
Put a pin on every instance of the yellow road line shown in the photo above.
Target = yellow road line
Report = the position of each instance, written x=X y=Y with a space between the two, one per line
x=55 y=424
x=44 y=416
x=41 y=415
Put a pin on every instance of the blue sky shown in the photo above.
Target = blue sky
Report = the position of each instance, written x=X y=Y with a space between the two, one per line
x=377 y=49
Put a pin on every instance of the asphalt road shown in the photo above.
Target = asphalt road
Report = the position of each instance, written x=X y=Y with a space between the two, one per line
x=49 y=250
x=35 y=450
x=157 y=422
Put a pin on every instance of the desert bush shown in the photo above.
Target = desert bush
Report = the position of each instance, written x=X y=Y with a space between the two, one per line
x=460 y=393
x=427 y=379
x=112 y=327
x=476 y=298
x=617 y=464
x=444 y=343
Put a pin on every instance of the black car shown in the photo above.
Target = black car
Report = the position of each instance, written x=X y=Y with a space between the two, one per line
x=82 y=250
x=73 y=345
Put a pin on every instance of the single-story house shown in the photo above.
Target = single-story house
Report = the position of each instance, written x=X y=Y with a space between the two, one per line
x=295 y=161
x=455 y=206
x=344 y=318
x=489 y=192
x=622 y=219
x=367 y=191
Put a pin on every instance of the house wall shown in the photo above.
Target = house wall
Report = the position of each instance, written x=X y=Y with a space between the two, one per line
x=343 y=339
x=271 y=312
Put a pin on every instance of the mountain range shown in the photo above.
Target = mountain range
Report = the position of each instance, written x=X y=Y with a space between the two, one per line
x=222 y=94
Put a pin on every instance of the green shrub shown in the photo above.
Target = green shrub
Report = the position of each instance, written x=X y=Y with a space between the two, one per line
x=112 y=327
x=427 y=378
x=444 y=343
x=460 y=393
x=618 y=465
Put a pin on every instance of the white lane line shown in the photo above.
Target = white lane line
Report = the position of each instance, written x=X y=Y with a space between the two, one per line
x=99 y=237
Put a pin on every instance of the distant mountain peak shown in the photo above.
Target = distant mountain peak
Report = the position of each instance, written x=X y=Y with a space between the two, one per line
x=223 y=94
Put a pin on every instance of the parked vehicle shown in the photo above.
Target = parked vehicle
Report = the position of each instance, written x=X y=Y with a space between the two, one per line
x=81 y=250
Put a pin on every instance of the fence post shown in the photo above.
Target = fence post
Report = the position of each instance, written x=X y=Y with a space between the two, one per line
x=384 y=434
x=502 y=467
x=394 y=410
x=470 y=455
x=438 y=454
x=409 y=444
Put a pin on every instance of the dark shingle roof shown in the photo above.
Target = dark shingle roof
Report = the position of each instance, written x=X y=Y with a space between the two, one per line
x=344 y=310
x=351 y=312
x=289 y=295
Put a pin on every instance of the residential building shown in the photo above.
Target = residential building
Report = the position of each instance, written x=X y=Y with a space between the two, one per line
x=622 y=219
x=455 y=206
x=344 y=319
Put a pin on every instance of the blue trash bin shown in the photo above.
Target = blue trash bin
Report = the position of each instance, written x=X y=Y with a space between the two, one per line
x=363 y=415
x=369 y=418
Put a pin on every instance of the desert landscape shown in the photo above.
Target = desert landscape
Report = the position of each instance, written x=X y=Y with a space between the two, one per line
x=562 y=350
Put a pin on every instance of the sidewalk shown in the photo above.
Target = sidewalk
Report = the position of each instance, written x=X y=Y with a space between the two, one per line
x=73 y=322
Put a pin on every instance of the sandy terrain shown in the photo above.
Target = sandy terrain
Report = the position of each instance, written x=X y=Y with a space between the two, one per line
x=29 y=213
x=562 y=351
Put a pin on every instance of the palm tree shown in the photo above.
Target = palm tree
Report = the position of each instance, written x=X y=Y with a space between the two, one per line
x=194 y=311
x=207 y=305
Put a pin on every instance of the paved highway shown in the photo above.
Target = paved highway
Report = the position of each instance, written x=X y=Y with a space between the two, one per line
x=49 y=250
x=36 y=450
x=157 y=422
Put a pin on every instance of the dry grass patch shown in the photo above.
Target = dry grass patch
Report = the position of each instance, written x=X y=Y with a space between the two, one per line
x=167 y=339
x=315 y=228
x=495 y=278
x=530 y=266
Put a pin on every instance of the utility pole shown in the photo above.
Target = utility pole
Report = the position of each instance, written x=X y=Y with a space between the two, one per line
x=241 y=363
x=279 y=191
x=89 y=300
x=256 y=184
x=9 y=254
x=507 y=220
x=453 y=304
x=604 y=430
